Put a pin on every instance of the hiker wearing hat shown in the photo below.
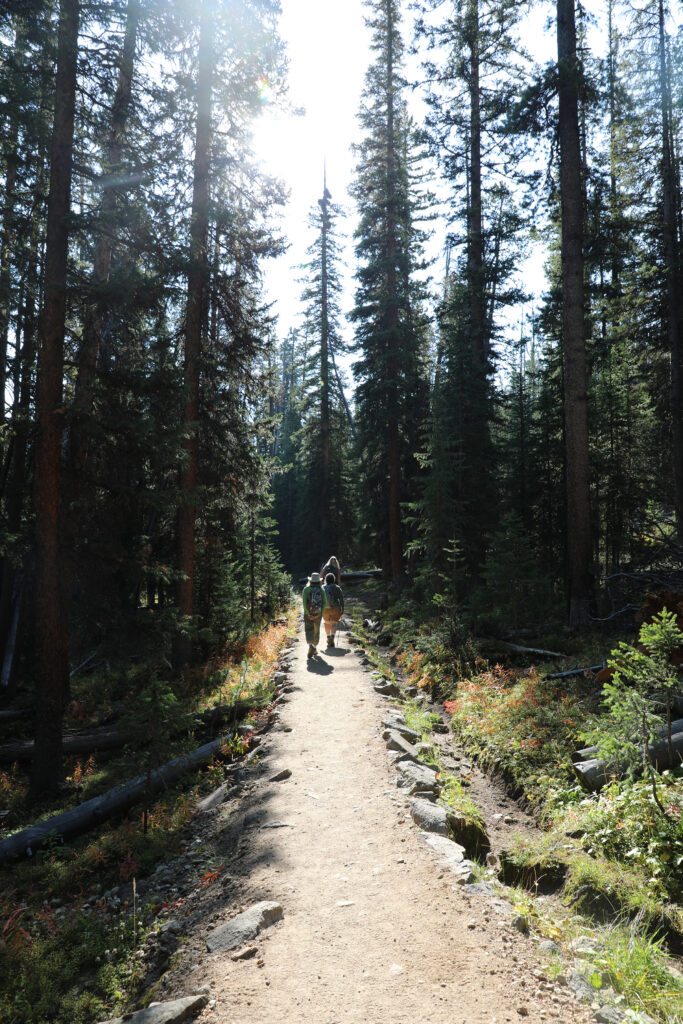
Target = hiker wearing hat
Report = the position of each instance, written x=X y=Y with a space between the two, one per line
x=315 y=603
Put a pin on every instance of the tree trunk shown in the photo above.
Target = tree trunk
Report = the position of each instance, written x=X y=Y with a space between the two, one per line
x=52 y=662
x=392 y=321
x=475 y=247
x=325 y=369
x=194 y=321
x=7 y=235
x=92 y=329
x=672 y=273
x=573 y=329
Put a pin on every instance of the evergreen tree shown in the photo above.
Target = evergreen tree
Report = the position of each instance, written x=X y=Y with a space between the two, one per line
x=390 y=323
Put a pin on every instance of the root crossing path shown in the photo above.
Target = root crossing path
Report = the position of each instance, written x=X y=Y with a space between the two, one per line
x=374 y=929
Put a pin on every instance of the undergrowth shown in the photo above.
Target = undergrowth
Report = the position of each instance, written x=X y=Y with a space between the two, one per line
x=66 y=955
x=617 y=858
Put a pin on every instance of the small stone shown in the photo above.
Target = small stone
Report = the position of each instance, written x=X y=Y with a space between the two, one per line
x=550 y=947
x=521 y=924
x=471 y=925
x=580 y=986
x=609 y=1015
x=523 y=1011
x=275 y=824
x=164 y=1013
x=430 y=817
x=244 y=927
x=286 y=773
x=345 y=903
x=244 y=954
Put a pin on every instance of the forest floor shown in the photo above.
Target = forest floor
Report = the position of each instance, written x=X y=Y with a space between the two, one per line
x=374 y=928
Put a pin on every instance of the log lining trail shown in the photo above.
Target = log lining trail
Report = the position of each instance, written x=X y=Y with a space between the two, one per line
x=374 y=929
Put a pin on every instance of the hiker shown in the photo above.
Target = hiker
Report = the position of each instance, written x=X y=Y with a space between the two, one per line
x=334 y=596
x=314 y=605
x=332 y=565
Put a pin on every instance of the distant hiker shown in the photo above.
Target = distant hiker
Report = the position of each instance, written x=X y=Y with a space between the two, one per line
x=334 y=608
x=332 y=565
x=315 y=603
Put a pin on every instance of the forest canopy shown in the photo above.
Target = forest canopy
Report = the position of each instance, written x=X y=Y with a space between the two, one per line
x=169 y=462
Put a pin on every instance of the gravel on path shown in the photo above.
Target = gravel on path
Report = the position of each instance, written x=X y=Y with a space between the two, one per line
x=374 y=929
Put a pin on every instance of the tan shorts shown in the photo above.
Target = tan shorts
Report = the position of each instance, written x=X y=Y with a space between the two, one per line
x=332 y=614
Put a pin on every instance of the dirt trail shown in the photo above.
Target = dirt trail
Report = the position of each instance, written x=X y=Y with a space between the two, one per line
x=374 y=929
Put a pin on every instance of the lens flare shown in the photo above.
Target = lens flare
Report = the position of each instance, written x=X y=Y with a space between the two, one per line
x=265 y=90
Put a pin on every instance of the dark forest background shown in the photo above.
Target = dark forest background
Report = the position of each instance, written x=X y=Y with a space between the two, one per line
x=167 y=462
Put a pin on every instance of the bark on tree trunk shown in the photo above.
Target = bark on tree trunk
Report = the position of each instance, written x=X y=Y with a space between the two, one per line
x=194 y=322
x=393 y=435
x=672 y=258
x=573 y=330
x=91 y=341
x=52 y=664
x=325 y=370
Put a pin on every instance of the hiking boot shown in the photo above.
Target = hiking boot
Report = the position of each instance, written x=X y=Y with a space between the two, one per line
x=311 y=651
x=330 y=641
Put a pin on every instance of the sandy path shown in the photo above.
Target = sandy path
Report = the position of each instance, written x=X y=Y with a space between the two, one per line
x=374 y=930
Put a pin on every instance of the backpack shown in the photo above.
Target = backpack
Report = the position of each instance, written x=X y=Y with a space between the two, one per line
x=315 y=600
x=334 y=595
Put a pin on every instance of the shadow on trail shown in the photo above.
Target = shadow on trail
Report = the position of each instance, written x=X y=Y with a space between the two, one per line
x=336 y=652
x=320 y=667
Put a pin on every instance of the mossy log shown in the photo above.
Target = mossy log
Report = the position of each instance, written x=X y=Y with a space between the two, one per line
x=114 y=802
x=593 y=774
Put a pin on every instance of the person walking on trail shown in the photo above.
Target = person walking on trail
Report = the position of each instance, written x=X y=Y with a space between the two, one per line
x=334 y=609
x=315 y=603
x=332 y=565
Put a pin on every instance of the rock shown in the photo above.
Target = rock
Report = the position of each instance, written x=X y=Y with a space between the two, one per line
x=405 y=757
x=386 y=689
x=440 y=727
x=275 y=823
x=452 y=856
x=395 y=741
x=580 y=986
x=214 y=799
x=521 y=923
x=244 y=927
x=405 y=732
x=609 y=1015
x=164 y=1013
x=430 y=817
x=281 y=776
x=393 y=721
x=480 y=889
x=550 y=947
x=417 y=778
x=244 y=954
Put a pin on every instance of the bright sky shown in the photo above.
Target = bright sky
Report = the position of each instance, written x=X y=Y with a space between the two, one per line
x=328 y=50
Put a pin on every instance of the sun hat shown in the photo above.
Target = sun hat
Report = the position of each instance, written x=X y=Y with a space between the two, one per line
x=315 y=578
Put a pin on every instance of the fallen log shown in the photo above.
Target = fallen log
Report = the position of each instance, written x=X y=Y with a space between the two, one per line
x=593 y=774
x=93 y=812
x=575 y=671
x=530 y=650
x=114 y=739
x=586 y=753
x=364 y=574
